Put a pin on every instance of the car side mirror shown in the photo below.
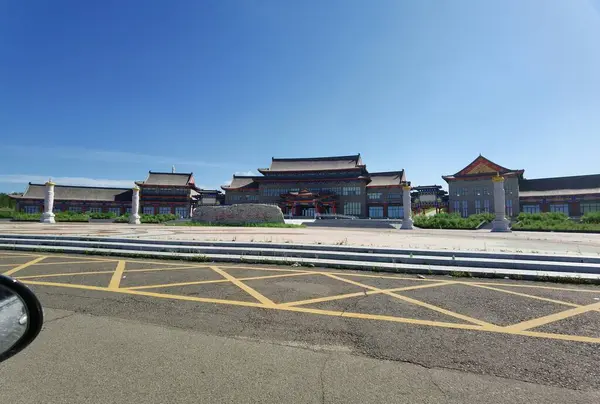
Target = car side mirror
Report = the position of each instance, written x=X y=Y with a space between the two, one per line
x=21 y=317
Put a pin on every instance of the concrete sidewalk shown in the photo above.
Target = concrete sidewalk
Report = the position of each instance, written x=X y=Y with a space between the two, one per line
x=455 y=240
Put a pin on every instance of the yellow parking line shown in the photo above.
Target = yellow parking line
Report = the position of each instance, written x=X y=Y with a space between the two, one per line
x=357 y=294
x=564 y=337
x=537 y=322
x=234 y=267
x=165 y=285
x=521 y=294
x=166 y=269
x=510 y=285
x=25 y=265
x=142 y=293
x=419 y=303
x=73 y=262
x=263 y=299
x=64 y=274
x=115 y=281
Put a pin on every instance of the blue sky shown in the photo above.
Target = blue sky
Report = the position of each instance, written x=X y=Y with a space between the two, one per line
x=101 y=92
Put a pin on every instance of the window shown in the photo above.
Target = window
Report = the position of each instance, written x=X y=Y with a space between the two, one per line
x=252 y=198
x=164 y=210
x=181 y=212
x=374 y=196
x=465 y=210
x=333 y=190
x=95 y=209
x=477 y=207
x=456 y=206
x=395 y=211
x=148 y=210
x=128 y=209
x=587 y=207
x=116 y=211
x=394 y=196
x=274 y=191
x=563 y=207
x=32 y=209
x=376 y=211
x=352 y=208
x=456 y=192
x=531 y=208
x=477 y=191
x=351 y=190
x=76 y=209
x=291 y=190
x=509 y=207
x=486 y=191
x=508 y=189
x=56 y=209
x=464 y=191
x=486 y=206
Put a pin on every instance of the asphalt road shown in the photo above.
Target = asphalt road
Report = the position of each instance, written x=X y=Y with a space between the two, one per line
x=157 y=332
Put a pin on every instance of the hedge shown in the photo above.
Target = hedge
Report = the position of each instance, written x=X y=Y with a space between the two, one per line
x=147 y=218
x=452 y=221
x=556 y=221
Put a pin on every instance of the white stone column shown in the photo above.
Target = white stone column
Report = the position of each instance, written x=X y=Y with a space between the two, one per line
x=134 y=217
x=48 y=216
x=407 y=223
x=500 y=223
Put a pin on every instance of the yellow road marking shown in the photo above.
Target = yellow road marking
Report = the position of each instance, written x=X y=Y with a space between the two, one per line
x=521 y=294
x=64 y=274
x=151 y=294
x=9 y=254
x=115 y=281
x=357 y=294
x=166 y=269
x=25 y=265
x=74 y=262
x=537 y=322
x=509 y=285
x=419 y=303
x=500 y=330
x=263 y=299
x=165 y=285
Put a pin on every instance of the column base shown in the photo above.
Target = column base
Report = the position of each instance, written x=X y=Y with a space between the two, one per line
x=47 y=217
x=501 y=226
x=134 y=219
x=407 y=224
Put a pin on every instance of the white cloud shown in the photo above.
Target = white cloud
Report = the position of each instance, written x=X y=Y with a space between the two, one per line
x=248 y=173
x=107 y=156
x=40 y=179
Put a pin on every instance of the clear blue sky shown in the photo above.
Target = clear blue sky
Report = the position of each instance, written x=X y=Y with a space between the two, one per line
x=100 y=92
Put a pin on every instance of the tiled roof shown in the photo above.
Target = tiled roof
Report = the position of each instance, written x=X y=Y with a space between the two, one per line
x=241 y=182
x=176 y=179
x=68 y=192
x=482 y=166
x=576 y=185
x=315 y=163
x=386 y=179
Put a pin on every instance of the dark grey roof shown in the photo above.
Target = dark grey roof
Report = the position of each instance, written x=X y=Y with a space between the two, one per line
x=241 y=181
x=575 y=185
x=385 y=179
x=316 y=163
x=176 y=179
x=78 y=193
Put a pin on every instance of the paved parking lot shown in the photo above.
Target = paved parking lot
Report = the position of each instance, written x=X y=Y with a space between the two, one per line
x=543 y=333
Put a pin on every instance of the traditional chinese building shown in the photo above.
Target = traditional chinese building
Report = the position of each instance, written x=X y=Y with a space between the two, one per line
x=75 y=199
x=471 y=191
x=322 y=185
x=425 y=197
x=160 y=193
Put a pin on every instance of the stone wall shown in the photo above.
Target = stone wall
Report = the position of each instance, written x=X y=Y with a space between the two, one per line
x=238 y=214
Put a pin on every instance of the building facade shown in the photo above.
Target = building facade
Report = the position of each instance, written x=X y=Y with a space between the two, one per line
x=306 y=187
x=471 y=191
x=160 y=193
x=426 y=197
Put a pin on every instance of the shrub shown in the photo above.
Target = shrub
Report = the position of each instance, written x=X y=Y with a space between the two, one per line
x=71 y=217
x=592 y=217
x=102 y=215
x=452 y=221
x=6 y=213
x=27 y=217
x=555 y=221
